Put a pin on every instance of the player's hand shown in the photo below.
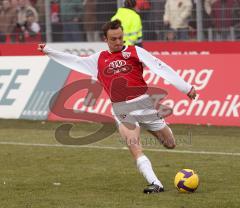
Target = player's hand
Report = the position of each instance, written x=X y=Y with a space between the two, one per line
x=41 y=47
x=192 y=93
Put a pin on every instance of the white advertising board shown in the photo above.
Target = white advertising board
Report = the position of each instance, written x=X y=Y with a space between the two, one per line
x=18 y=78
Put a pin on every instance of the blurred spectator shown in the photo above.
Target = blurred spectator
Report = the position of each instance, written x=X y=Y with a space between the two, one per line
x=170 y=35
x=24 y=7
x=30 y=31
x=55 y=11
x=34 y=2
x=14 y=4
x=105 y=10
x=237 y=20
x=208 y=5
x=144 y=8
x=206 y=8
x=176 y=16
x=156 y=17
x=72 y=20
x=206 y=22
x=143 y=4
x=90 y=20
x=40 y=7
x=8 y=19
x=56 y=21
x=223 y=14
x=131 y=22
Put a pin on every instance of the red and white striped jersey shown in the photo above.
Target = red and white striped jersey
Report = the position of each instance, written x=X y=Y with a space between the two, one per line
x=120 y=73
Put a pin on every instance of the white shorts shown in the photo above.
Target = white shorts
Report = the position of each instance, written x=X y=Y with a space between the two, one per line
x=139 y=111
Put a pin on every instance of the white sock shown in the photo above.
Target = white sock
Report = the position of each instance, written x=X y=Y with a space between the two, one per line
x=145 y=167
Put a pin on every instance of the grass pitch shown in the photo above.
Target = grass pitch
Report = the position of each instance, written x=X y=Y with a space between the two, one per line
x=38 y=172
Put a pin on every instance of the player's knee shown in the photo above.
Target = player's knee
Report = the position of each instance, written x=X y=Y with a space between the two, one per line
x=170 y=143
x=171 y=146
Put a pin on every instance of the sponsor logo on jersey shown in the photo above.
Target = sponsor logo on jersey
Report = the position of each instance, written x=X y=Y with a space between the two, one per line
x=126 y=55
x=118 y=66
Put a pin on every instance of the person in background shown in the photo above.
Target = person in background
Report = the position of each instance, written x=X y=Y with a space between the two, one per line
x=72 y=17
x=206 y=23
x=105 y=10
x=56 y=21
x=24 y=8
x=34 y=2
x=8 y=19
x=237 y=20
x=176 y=16
x=145 y=9
x=170 y=35
x=31 y=29
x=131 y=23
x=14 y=4
x=156 y=20
x=40 y=7
x=90 y=20
x=222 y=14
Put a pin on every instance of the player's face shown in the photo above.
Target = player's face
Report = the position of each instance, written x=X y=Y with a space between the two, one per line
x=114 y=39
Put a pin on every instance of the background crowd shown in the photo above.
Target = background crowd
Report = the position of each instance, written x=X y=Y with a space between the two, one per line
x=81 y=20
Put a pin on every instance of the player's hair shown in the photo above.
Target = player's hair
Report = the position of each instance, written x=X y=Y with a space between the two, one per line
x=112 y=25
x=130 y=4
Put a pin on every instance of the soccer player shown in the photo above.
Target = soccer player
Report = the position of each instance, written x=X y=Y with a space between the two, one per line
x=120 y=67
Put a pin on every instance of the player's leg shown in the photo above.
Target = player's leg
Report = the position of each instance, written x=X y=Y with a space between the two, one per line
x=159 y=129
x=165 y=136
x=131 y=134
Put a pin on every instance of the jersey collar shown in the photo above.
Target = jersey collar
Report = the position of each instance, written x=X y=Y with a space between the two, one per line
x=123 y=49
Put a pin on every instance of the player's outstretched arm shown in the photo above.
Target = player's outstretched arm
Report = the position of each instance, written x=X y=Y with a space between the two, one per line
x=85 y=65
x=166 y=72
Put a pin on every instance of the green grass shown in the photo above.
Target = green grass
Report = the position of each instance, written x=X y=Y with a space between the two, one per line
x=108 y=178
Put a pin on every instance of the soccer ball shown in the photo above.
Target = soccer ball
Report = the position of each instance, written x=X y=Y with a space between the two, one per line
x=186 y=181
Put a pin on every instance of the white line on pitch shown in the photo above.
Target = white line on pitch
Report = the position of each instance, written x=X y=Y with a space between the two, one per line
x=121 y=148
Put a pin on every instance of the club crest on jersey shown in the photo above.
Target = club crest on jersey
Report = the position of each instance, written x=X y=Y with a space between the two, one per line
x=126 y=55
